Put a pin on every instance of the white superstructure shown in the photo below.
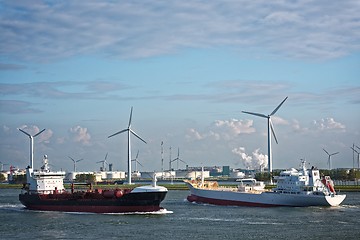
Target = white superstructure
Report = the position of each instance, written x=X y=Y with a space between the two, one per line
x=44 y=180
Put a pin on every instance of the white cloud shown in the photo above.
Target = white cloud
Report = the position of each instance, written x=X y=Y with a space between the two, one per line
x=134 y=29
x=328 y=124
x=283 y=17
x=235 y=126
x=279 y=121
x=80 y=134
x=6 y=129
x=316 y=126
x=222 y=130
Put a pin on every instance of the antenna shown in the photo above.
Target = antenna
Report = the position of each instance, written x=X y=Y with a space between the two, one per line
x=270 y=128
x=75 y=161
x=178 y=159
x=129 y=132
x=329 y=157
x=104 y=162
x=31 y=144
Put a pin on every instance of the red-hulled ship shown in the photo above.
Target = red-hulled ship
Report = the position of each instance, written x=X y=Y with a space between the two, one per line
x=45 y=191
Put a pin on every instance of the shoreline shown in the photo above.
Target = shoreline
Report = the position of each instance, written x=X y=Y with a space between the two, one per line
x=178 y=186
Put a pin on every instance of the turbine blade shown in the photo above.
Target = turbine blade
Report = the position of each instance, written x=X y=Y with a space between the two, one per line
x=334 y=153
x=140 y=163
x=273 y=131
x=118 y=133
x=24 y=132
x=137 y=154
x=256 y=114
x=278 y=107
x=130 y=117
x=354 y=150
x=137 y=135
x=72 y=159
x=182 y=161
x=39 y=133
x=326 y=152
x=106 y=156
x=79 y=160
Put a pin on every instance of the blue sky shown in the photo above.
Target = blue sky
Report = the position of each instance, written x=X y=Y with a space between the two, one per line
x=188 y=69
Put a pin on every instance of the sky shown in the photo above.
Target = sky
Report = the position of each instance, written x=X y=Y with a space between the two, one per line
x=188 y=69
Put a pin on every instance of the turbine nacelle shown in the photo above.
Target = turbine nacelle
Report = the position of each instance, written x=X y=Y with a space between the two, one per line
x=31 y=144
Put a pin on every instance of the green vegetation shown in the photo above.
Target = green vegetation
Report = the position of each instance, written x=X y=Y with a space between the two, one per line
x=87 y=178
x=19 y=179
x=2 y=178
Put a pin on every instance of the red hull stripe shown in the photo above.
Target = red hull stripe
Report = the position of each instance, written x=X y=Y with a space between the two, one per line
x=95 y=209
x=197 y=199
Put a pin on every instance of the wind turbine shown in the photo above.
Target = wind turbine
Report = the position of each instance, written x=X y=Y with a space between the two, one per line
x=178 y=159
x=162 y=159
x=358 y=153
x=270 y=126
x=329 y=158
x=75 y=161
x=136 y=161
x=31 y=144
x=104 y=162
x=129 y=132
x=170 y=160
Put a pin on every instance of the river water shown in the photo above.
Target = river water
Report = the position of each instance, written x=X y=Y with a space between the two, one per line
x=183 y=220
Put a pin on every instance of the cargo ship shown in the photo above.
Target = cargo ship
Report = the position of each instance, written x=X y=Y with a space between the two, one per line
x=45 y=191
x=294 y=188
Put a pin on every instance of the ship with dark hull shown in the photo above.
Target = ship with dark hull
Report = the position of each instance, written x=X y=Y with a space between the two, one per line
x=45 y=191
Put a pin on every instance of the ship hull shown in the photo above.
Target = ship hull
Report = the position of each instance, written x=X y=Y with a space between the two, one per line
x=131 y=202
x=264 y=199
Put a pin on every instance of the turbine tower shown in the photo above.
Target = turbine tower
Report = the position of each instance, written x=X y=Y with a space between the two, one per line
x=178 y=159
x=358 y=153
x=162 y=159
x=104 y=162
x=329 y=157
x=136 y=161
x=31 y=144
x=75 y=161
x=170 y=160
x=129 y=132
x=270 y=127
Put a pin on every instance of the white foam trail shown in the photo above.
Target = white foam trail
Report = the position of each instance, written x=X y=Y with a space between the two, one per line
x=160 y=212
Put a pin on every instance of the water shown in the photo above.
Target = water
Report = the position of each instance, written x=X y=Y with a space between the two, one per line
x=183 y=220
